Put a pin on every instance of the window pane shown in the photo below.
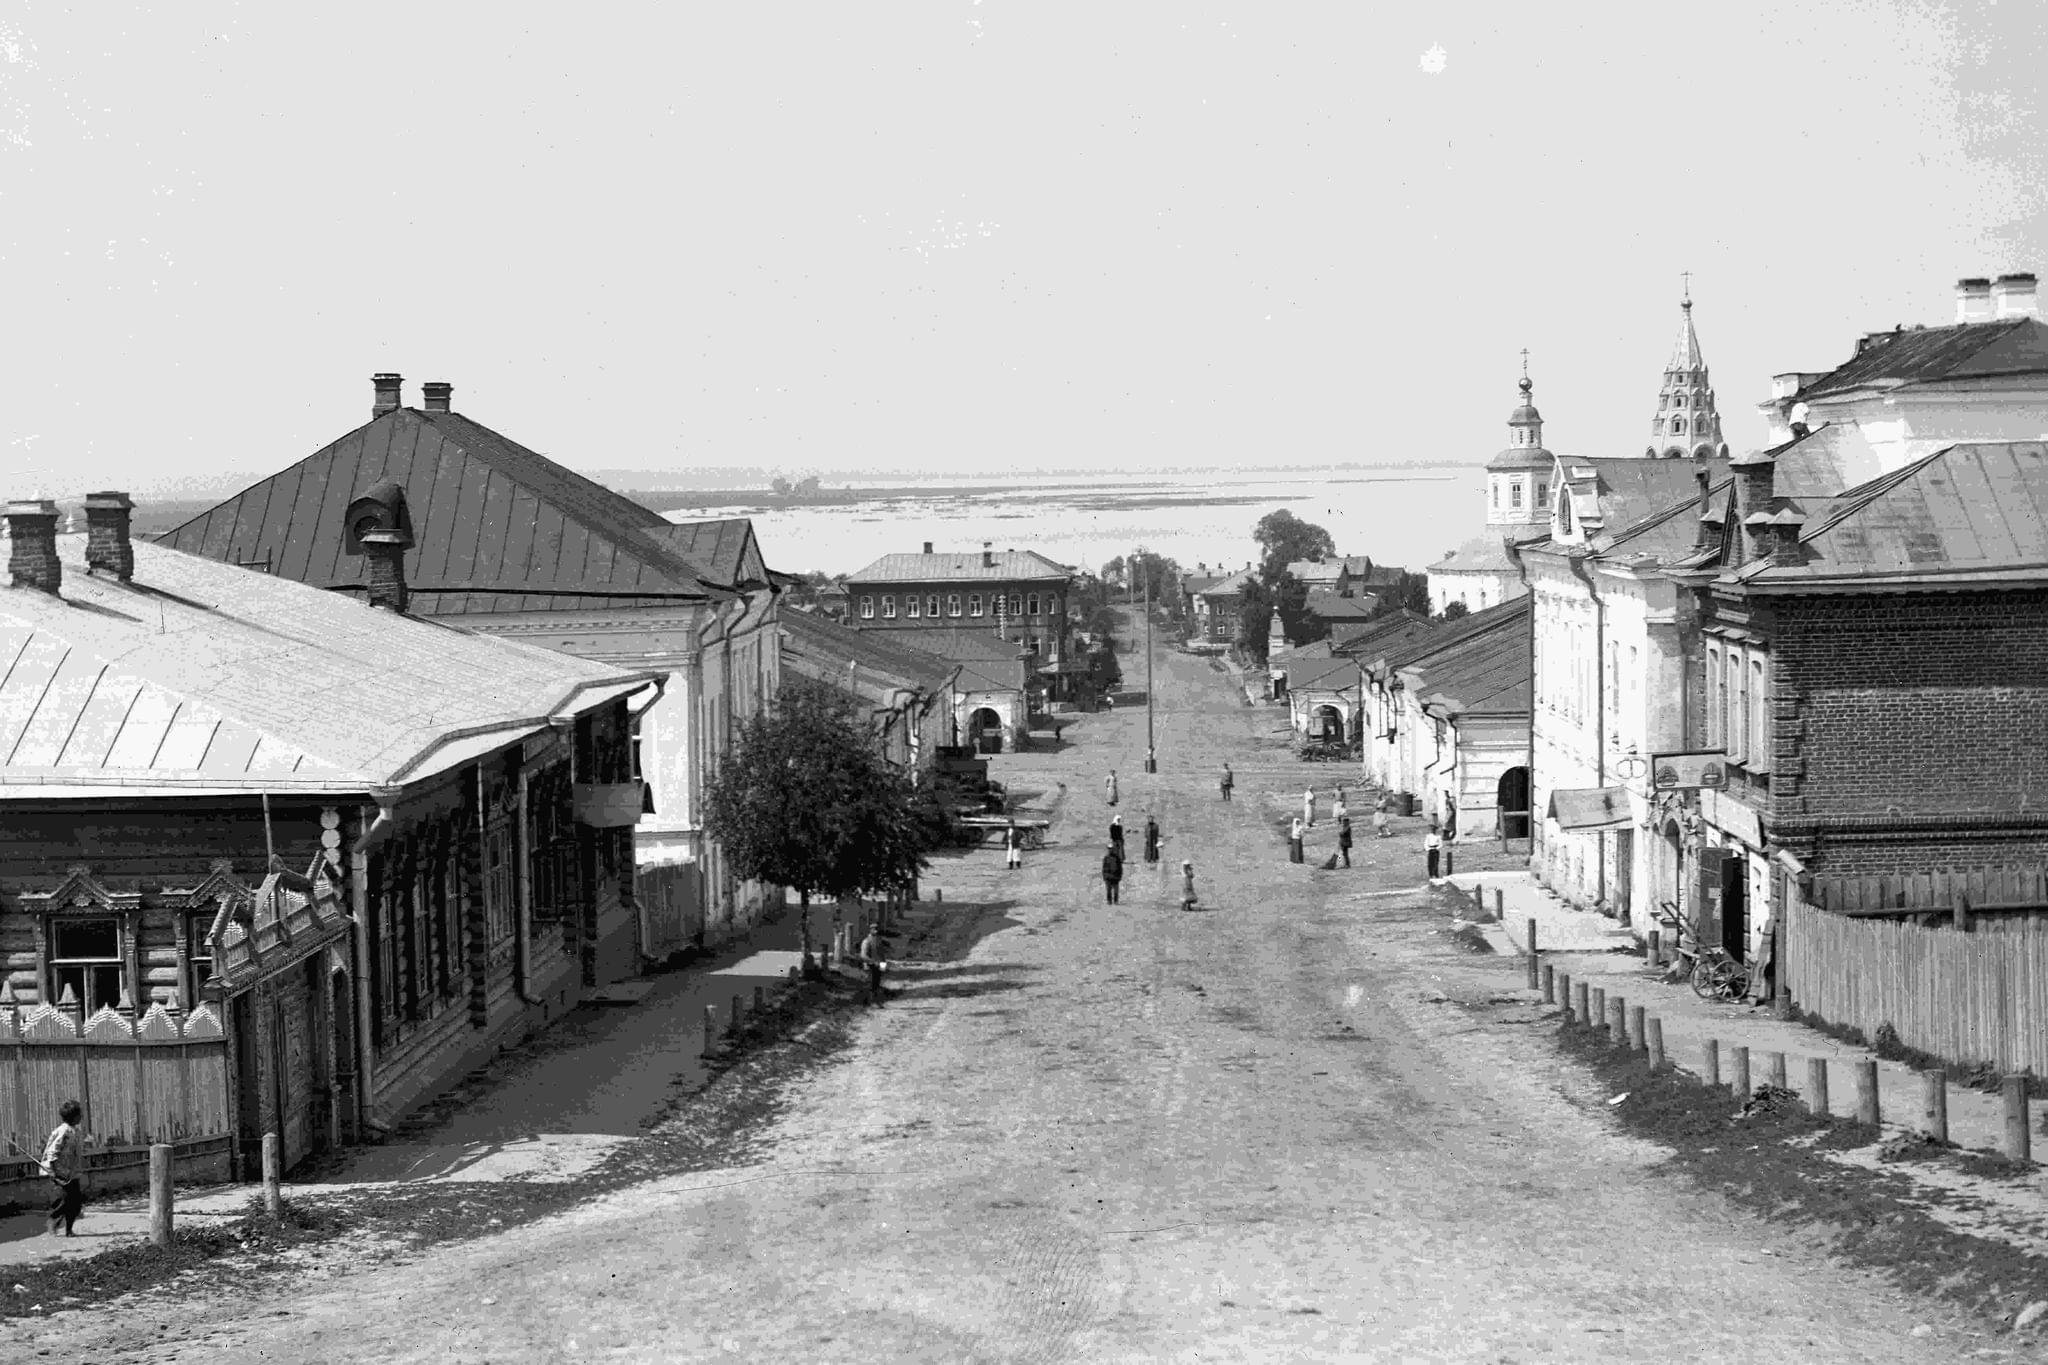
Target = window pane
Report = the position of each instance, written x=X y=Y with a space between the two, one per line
x=76 y=938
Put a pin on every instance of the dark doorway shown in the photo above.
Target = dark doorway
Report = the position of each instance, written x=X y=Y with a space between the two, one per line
x=1329 y=724
x=1512 y=795
x=343 y=1060
x=1735 y=907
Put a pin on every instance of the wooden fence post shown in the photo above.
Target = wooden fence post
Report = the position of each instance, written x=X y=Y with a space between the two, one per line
x=1617 y=1022
x=1867 y=1108
x=1500 y=914
x=160 y=1193
x=739 y=1014
x=1710 y=1061
x=760 y=999
x=1934 y=1104
x=1533 y=963
x=273 y=1193
x=1598 y=1018
x=1774 y=1070
x=1653 y=1039
x=1817 y=1087
x=2018 y=1142
x=1654 y=949
x=1636 y=1015
x=1738 y=1072
x=710 y=1030
x=1549 y=984
x=1581 y=997
x=1962 y=910
x=1564 y=994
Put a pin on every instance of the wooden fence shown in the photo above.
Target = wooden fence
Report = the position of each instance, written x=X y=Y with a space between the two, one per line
x=1993 y=888
x=671 y=901
x=1966 y=997
x=159 y=1079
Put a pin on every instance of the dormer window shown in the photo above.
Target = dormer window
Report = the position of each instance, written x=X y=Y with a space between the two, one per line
x=1564 y=515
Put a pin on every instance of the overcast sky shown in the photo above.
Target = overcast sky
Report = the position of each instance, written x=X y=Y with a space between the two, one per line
x=945 y=237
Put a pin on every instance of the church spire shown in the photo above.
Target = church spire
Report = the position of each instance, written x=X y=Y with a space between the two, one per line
x=1687 y=423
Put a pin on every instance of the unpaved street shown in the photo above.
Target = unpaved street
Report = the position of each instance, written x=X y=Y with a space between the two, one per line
x=1269 y=1130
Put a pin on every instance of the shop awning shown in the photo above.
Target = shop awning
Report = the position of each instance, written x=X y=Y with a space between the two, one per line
x=1592 y=808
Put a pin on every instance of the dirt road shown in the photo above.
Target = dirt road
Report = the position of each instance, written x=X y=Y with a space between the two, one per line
x=1264 y=1131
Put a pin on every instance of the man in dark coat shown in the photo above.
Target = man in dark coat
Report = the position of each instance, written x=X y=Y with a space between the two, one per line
x=1116 y=834
x=1112 y=874
x=1344 y=839
x=1151 y=840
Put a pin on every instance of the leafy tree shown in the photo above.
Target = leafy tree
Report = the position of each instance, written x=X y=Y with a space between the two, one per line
x=1297 y=622
x=1284 y=538
x=805 y=800
x=1410 y=590
x=780 y=486
x=1254 y=619
x=1453 y=610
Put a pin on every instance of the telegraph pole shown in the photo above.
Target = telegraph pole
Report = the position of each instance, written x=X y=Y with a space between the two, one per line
x=1151 y=757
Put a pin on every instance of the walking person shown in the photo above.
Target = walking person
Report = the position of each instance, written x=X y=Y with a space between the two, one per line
x=1308 y=807
x=1294 y=841
x=61 y=1162
x=1227 y=781
x=1109 y=787
x=1013 y=847
x=1116 y=834
x=871 y=958
x=1151 y=840
x=1340 y=812
x=1187 y=886
x=1432 y=847
x=1344 y=838
x=1112 y=874
x=1379 y=817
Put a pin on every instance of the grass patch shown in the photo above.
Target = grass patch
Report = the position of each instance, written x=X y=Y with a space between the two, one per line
x=1772 y=1162
x=1886 y=1044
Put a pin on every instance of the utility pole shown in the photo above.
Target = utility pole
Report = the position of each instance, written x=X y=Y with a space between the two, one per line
x=1151 y=757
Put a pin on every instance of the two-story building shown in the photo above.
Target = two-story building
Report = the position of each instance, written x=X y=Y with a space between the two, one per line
x=272 y=859
x=1216 y=604
x=1016 y=596
x=504 y=541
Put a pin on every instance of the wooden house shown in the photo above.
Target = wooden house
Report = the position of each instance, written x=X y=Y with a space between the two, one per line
x=272 y=859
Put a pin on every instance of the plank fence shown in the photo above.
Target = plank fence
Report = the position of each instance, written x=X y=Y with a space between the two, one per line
x=1985 y=888
x=1967 y=993
x=158 y=1079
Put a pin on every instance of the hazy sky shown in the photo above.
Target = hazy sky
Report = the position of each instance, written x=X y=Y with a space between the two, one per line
x=972 y=236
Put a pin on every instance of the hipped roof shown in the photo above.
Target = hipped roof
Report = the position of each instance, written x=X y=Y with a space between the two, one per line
x=200 y=676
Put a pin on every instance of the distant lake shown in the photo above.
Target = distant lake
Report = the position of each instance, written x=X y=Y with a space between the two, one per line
x=1409 y=517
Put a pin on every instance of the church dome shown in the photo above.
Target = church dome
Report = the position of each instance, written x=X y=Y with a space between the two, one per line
x=1525 y=415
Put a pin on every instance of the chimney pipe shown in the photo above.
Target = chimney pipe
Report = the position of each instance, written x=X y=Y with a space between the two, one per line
x=108 y=544
x=1973 y=300
x=927 y=547
x=384 y=551
x=387 y=388
x=1704 y=537
x=1785 y=538
x=439 y=394
x=988 y=555
x=2013 y=296
x=32 y=540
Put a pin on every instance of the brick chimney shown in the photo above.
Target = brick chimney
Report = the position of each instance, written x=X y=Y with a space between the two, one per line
x=384 y=553
x=1754 y=477
x=2012 y=296
x=927 y=547
x=440 y=394
x=32 y=540
x=108 y=546
x=387 y=388
x=1973 y=300
x=1709 y=522
x=988 y=554
x=1785 y=537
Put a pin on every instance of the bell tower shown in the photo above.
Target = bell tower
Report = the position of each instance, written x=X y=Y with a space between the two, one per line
x=1687 y=423
x=1518 y=479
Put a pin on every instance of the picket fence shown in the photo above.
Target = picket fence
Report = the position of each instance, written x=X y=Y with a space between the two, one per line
x=1984 y=887
x=161 y=1078
x=1969 y=998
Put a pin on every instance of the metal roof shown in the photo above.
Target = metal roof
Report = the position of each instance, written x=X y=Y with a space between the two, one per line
x=1931 y=355
x=496 y=527
x=723 y=551
x=199 y=675
x=1333 y=674
x=1970 y=513
x=1481 y=554
x=880 y=650
x=1007 y=566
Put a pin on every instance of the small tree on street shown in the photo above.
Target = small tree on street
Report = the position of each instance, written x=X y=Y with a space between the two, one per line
x=805 y=800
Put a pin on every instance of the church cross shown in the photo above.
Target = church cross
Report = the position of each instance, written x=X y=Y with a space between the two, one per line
x=1686 y=275
x=1525 y=362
